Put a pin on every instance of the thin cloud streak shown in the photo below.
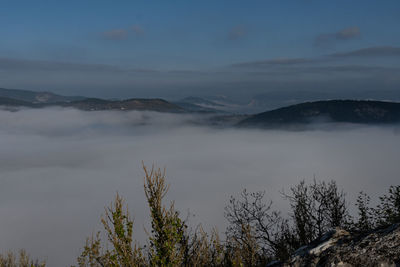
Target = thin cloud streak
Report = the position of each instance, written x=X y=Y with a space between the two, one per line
x=238 y=32
x=138 y=30
x=41 y=65
x=348 y=33
x=377 y=51
x=275 y=62
x=352 y=70
x=115 y=35
x=123 y=34
x=329 y=39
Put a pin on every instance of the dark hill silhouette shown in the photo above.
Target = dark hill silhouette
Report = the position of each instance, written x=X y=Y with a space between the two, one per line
x=5 y=101
x=350 y=111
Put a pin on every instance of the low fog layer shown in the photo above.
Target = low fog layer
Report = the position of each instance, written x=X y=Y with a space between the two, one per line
x=60 y=167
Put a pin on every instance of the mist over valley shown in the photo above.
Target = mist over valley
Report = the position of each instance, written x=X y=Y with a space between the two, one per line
x=60 y=167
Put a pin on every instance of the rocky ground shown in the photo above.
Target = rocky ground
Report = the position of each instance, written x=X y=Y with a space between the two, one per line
x=380 y=247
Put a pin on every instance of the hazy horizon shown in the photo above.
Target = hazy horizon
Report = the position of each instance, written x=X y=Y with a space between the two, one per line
x=159 y=49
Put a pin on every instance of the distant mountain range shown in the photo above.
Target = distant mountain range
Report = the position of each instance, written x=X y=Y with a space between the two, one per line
x=154 y=104
x=211 y=104
x=24 y=98
x=276 y=99
x=197 y=104
x=221 y=111
x=36 y=97
x=348 y=111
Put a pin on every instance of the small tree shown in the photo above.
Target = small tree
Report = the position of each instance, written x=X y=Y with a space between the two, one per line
x=244 y=250
x=118 y=226
x=317 y=208
x=202 y=249
x=168 y=229
x=166 y=237
x=388 y=211
x=21 y=259
x=365 y=213
x=334 y=201
x=302 y=205
x=253 y=225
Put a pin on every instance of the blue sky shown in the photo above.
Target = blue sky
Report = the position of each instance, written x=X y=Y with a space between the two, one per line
x=175 y=44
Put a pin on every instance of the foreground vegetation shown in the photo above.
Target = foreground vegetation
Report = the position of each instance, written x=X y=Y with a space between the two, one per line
x=256 y=233
x=21 y=259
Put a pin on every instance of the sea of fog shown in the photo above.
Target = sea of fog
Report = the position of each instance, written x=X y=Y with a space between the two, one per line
x=59 y=168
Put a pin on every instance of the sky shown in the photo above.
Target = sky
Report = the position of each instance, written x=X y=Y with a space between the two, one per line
x=178 y=48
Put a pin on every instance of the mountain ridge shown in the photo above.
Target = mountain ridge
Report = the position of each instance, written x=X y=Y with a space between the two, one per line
x=345 y=111
x=36 y=97
x=24 y=98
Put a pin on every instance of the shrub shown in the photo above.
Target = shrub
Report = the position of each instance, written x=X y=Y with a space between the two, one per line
x=22 y=259
x=388 y=211
x=256 y=233
x=316 y=208
x=118 y=226
x=254 y=227
x=168 y=229
x=365 y=213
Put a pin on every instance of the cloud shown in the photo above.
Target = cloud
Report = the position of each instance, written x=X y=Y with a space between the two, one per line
x=322 y=61
x=138 y=30
x=116 y=34
x=345 y=70
x=329 y=39
x=123 y=34
x=237 y=32
x=321 y=72
x=377 y=51
x=12 y=64
x=348 y=33
x=60 y=167
x=238 y=80
x=328 y=70
x=41 y=65
x=275 y=62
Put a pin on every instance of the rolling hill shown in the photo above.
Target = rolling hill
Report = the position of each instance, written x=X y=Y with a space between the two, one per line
x=36 y=97
x=348 y=111
x=31 y=99
x=154 y=104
